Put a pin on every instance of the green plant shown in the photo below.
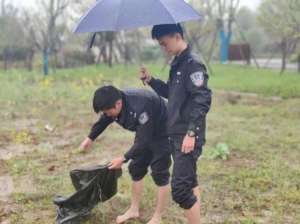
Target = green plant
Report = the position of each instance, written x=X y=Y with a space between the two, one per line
x=221 y=151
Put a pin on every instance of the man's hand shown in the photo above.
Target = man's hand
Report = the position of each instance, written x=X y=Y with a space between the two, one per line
x=116 y=163
x=144 y=75
x=86 y=144
x=188 y=144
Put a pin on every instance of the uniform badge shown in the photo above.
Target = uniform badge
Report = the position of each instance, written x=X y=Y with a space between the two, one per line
x=197 y=78
x=143 y=118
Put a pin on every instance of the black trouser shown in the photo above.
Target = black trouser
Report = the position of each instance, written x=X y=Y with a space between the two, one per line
x=184 y=177
x=158 y=156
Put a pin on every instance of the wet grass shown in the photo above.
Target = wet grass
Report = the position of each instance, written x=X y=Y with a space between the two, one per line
x=258 y=183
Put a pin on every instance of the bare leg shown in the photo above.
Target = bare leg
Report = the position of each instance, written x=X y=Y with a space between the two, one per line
x=133 y=211
x=162 y=199
x=193 y=214
x=196 y=191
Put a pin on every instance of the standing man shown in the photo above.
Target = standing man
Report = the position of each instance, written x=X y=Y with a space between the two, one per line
x=143 y=112
x=189 y=100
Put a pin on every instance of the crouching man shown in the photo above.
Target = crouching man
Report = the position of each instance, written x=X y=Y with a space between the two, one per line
x=145 y=113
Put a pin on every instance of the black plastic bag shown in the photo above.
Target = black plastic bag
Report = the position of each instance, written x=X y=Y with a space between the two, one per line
x=93 y=185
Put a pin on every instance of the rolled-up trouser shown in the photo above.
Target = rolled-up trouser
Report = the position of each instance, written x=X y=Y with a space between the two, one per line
x=158 y=156
x=184 y=177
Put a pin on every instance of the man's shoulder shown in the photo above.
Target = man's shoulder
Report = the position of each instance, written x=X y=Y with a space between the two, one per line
x=194 y=59
x=193 y=63
x=137 y=98
x=136 y=92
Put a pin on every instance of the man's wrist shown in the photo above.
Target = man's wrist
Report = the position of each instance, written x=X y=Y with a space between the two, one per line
x=91 y=137
x=191 y=126
x=149 y=79
x=191 y=133
x=125 y=159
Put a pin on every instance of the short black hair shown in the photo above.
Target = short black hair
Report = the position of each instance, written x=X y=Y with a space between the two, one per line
x=159 y=31
x=105 y=98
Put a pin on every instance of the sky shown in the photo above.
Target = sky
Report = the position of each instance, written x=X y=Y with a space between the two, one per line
x=249 y=3
x=252 y=4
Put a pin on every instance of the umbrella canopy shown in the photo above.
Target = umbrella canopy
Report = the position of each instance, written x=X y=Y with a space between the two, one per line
x=115 y=15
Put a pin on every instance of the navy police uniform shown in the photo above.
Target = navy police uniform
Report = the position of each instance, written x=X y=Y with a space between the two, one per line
x=145 y=113
x=189 y=100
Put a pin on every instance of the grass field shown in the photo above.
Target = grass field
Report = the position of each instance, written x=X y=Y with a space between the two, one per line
x=256 y=113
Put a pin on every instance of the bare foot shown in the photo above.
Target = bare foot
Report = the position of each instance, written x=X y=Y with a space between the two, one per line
x=155 y=220
x=130 y=214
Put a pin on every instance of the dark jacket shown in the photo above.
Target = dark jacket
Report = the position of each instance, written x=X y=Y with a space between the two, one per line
x=143 y=112
x=93 y=185
x=189 y=97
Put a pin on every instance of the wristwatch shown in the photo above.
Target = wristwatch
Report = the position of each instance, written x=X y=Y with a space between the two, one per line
x=191 y=133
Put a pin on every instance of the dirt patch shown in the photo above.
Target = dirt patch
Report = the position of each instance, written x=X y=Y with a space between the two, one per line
x=57 y=143
x=6 y=182
x=237 y=160
x=233 y=98
x=216 y=217
x=27 y=124
x=39 y=217
x=3 y=168
x=6 y=209
x=26 y=185
x=5 y=138
x=11 y=151
x=6 y=187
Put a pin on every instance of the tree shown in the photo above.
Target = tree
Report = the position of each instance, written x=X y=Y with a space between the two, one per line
x=248 y=30
x=46 y=28
x=112 y=46
x=281 y=19
x=218 y=18
x=12 y=47
x=227 y=10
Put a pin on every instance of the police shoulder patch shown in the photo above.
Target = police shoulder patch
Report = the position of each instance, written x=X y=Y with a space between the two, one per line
x=143 y=118
x=197 y=78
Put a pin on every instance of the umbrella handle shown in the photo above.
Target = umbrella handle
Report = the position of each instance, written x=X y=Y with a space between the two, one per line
x=143 y=79
x=92 y=40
